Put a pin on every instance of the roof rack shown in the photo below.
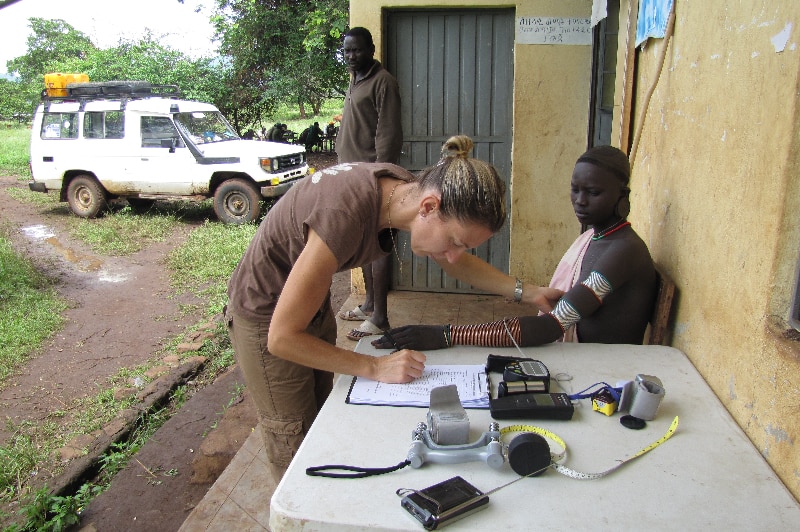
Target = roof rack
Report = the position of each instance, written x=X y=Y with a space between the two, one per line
x=108 y=90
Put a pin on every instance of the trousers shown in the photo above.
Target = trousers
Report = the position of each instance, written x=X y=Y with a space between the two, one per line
x=287 y=396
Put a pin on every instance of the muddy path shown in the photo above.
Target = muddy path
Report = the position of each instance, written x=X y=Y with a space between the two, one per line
x=121 y=313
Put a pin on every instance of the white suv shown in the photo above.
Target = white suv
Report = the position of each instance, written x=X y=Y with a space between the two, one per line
x=139 y=142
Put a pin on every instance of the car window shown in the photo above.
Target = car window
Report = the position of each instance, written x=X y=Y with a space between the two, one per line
x=103 y=125
x=159 y=132
x=206 y=126
x=59 y=126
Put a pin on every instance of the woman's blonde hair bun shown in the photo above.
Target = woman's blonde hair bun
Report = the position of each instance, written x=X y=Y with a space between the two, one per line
x=457 y=146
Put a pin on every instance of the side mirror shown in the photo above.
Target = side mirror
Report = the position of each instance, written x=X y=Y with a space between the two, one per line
x=169 y=143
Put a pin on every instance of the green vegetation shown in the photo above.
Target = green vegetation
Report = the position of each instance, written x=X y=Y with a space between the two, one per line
x=29 y=309
x=207 y=259
x=270 y=53
x=290 y=116
x=45 y=511
x=15 y=143
x=124 y=232
x=201 y=265
x=299 y=68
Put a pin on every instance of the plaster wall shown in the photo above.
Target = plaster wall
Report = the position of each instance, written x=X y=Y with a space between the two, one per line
x=716 y=196
x=715 y=186
x=551 y=106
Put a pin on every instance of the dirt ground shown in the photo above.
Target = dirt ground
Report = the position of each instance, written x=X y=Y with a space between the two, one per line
x=121 y=312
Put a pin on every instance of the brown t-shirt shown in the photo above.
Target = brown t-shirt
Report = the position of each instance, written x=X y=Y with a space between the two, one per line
x=341 y=203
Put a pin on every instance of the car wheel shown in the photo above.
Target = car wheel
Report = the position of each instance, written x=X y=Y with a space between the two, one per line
x=237 y=201
x=140 y=205
x=86 y=197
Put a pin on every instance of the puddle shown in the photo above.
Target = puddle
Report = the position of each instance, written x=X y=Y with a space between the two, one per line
x=84 y=262
x=109 y=277
x=38 y=232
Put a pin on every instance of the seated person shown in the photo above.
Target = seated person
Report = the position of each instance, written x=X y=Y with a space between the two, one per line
x=330 y=130
x=313 y=137
x=277 y=133
x=607 y=274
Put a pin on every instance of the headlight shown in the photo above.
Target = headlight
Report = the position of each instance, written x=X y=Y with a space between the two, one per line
x=268 y=164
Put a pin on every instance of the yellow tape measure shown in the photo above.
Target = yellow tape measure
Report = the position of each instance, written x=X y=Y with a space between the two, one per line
x=557 y=457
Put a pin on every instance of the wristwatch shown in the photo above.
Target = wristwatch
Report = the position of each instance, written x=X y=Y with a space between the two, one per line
x=518 y=292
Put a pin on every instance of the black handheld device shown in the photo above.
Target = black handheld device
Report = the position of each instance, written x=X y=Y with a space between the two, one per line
x=445 y=502
x=525 y=370
x=532 y=406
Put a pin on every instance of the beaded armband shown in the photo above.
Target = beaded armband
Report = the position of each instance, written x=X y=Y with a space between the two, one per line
x=598 y=284
x=565 y=314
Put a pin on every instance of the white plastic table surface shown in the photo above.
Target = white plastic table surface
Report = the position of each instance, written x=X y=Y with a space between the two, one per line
x=708 y=476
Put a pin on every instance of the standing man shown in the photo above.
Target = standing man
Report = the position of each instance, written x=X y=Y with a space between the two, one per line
x=370 y=131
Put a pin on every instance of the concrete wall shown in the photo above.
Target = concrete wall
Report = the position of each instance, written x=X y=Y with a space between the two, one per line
x=716 y=196
x=551 y=106
x=715 y=187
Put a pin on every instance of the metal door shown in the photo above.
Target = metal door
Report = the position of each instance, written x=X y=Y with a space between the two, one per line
x=456 y=73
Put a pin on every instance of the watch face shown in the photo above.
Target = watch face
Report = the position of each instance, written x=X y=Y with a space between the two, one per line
x=532 y=368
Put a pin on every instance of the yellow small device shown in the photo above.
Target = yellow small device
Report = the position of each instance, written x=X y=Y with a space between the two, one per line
x=604 y=402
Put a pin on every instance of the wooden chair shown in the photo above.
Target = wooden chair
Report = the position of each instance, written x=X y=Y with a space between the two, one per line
x=665 y=293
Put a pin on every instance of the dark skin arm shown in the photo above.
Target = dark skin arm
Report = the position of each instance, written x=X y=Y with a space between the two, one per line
x=621 y=318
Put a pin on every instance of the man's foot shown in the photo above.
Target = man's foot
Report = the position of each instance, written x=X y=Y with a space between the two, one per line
x=365 y=329
x=354 y=315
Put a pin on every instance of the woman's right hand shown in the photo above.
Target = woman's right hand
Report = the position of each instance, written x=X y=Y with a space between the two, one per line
x=544 y=297
x=399 y=367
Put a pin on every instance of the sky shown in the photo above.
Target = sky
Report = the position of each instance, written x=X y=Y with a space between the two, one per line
x=106 y=21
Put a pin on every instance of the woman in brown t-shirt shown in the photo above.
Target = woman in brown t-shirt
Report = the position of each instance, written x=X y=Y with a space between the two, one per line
x=280 y=321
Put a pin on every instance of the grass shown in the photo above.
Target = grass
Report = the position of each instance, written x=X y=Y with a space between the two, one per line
x=201 y=265
x=31 y=450
x=22 y=287
x=290 y=115
x=123 y=232
x=206 y=260
x=14 y=150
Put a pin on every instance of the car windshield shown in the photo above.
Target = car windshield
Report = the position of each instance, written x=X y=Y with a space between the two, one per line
x=206 y=126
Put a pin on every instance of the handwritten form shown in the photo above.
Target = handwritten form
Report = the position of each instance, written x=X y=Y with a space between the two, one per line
x=470 y=380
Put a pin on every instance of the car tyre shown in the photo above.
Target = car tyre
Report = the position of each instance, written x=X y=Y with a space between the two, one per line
x=237 y=201
x=86 y=197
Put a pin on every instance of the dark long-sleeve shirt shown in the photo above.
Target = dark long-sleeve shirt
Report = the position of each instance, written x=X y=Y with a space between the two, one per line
x=370 y=130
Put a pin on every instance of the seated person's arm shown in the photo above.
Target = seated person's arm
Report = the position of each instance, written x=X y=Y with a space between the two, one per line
x=611 y=270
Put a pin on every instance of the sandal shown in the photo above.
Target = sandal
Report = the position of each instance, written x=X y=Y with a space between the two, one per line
x=365 y=329
x=353 y=315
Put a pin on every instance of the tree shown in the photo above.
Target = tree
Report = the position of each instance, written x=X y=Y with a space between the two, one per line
x=146 y=59
x=283 y=50
x=55 y=46
x=50 y=43
x=16 y=101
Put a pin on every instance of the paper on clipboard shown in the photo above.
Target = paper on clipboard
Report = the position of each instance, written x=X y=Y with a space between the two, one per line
x=470 y=380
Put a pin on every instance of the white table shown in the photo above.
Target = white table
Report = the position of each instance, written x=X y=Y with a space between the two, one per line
x=708 y=476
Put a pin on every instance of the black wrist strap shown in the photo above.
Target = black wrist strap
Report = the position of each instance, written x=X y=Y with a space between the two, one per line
x=358 y=472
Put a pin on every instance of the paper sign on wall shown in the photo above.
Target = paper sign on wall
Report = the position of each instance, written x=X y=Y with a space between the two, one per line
x=553 y=30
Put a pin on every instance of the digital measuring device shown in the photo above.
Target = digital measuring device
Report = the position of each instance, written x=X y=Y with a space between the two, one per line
x=532 y=406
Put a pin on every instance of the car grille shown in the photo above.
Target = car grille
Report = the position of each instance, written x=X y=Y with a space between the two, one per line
x=287 y=162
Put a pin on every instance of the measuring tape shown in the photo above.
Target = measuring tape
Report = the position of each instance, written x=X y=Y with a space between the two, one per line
x=558 y=457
